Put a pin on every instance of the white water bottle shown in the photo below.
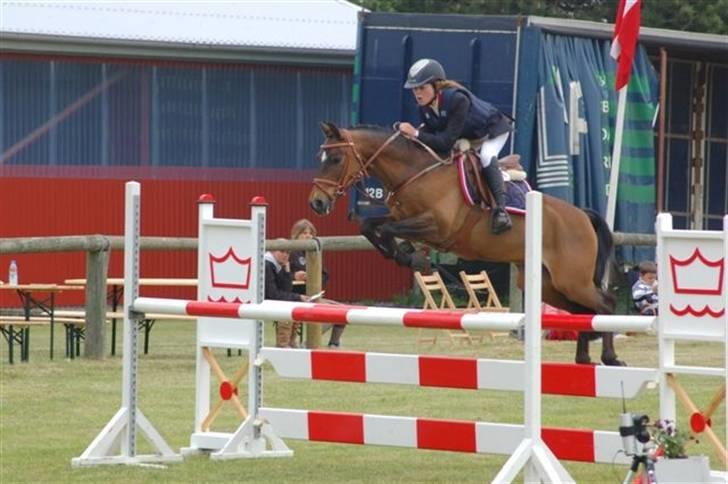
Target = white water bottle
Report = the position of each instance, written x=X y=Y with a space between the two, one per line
x=13 y=273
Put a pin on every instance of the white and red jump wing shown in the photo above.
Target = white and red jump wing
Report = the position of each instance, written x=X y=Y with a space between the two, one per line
x=439 y=434
x=457 y=372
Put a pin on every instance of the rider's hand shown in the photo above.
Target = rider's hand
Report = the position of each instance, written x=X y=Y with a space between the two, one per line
x=299 y=276
x=408 y=130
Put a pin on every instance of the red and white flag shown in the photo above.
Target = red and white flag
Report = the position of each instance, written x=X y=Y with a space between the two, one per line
x=624 y=44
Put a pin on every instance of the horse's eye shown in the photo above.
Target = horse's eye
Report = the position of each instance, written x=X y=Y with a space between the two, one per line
x=325 y=156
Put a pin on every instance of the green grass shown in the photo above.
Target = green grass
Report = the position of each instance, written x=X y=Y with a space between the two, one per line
x=50 y=412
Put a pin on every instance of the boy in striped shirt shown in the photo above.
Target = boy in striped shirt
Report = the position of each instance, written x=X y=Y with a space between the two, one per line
x=644 y=291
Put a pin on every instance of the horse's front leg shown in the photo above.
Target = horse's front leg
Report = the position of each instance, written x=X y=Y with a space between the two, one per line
x=374 y=229
x=420 y=228
x=381 y=232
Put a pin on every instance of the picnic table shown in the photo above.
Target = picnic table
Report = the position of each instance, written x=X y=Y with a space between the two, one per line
x=39 y=306
x=114 y=297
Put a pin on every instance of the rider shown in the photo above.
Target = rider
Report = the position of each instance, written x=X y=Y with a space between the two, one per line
x=450 y=112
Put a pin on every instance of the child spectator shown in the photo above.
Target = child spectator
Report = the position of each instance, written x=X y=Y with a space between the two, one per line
x=279 y=285
x=644 y=291
x=304 y=230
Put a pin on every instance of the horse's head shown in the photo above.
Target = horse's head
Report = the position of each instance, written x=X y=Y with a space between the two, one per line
x=341 y=167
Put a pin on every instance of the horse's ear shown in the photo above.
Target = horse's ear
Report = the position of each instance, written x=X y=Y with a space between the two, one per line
x=330 y=130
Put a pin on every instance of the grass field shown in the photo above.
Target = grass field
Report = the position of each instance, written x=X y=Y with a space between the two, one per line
x=50 y=412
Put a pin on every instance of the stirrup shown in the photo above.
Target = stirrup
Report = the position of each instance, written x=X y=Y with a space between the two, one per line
x=500 y=221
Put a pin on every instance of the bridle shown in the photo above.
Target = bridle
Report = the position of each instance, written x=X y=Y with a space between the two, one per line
x=345 y=181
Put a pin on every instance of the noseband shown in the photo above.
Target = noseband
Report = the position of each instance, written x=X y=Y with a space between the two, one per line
x=345 y=181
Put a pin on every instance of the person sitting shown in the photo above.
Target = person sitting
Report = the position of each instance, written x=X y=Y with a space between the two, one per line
x=449 y=112
x=279 y=285
x=303 y=229
x=644 y=291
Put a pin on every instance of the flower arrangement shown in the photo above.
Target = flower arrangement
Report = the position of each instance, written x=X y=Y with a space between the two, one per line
x=670 y=440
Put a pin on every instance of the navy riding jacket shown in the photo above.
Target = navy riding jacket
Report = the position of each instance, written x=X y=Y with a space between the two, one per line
x=460 y=114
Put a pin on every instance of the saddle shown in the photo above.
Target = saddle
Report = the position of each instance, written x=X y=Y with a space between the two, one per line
x=472 y=185
x=474 y=189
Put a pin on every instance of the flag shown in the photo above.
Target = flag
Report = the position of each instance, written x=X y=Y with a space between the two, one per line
x=626 y=33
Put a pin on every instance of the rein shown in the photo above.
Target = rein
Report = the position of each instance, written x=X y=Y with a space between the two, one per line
x=346 y=181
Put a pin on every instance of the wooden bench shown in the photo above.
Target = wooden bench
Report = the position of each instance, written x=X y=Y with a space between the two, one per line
x=16 y=329
x=146 y=323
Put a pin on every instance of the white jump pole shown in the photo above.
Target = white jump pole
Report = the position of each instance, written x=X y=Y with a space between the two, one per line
x=532 y=453
x=116 y=443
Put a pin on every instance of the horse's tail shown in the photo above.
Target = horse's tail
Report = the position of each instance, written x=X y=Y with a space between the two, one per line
x=605 y=245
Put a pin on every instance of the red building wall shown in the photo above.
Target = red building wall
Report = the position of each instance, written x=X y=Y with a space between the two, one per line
x=73 y=204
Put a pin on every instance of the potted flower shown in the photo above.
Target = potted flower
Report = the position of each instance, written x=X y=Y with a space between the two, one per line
x=669 y=440
x=673 y=464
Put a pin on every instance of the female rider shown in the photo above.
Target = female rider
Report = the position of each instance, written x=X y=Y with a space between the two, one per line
x=450 y=112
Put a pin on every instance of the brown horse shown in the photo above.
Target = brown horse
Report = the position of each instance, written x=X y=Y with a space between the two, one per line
x=426 y=206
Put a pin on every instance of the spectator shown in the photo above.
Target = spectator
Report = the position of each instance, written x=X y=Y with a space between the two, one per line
x=644 y=291
x=303 y=230
x=279 y=285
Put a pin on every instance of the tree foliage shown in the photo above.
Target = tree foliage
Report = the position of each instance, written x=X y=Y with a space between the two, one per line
x=694 y=15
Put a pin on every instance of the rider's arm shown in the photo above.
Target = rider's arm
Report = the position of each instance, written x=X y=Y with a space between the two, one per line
x=443 y=141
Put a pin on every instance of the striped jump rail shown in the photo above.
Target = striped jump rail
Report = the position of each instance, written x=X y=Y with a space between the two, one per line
x=581 y=445
x=594 y=381
x=376 y=316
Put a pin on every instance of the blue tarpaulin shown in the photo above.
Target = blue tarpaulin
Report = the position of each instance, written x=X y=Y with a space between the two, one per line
x=566 y=121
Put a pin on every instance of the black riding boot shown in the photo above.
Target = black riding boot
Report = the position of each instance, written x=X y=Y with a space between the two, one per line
x=500 y=221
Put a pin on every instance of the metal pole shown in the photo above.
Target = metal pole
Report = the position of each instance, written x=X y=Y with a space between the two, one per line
x=661 y=132
x=616 y=157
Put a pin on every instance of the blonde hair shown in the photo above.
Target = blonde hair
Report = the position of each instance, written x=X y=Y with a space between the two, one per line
x=301 y=226
x=447 y=83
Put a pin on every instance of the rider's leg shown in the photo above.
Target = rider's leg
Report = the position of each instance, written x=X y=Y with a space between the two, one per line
x=493 y=176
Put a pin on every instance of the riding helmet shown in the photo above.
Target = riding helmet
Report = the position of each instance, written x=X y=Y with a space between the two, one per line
x=424 y=71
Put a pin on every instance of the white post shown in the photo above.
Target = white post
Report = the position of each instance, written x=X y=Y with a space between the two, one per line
x=258 y=210
x=206 y=211
x=532 y=453
x=665 y=345
x=119 y=434
x=616 y=158
x=725 y=315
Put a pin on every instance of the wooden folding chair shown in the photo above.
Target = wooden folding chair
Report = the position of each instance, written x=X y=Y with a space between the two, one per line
x=490 y=302
x=430 y=286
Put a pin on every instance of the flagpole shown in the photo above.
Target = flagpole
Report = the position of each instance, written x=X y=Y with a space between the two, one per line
x=616 y=158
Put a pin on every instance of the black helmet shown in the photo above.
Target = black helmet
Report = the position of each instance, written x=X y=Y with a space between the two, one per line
x=424 y=71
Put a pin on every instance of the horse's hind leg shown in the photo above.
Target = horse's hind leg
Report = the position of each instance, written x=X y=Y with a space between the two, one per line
x=555 y=298
x=585 y=298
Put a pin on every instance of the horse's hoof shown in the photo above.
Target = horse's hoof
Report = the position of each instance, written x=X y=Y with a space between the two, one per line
x=404 y=260
x=420 y=262
x=613 y=362
x=406 y=247
x=583 y=361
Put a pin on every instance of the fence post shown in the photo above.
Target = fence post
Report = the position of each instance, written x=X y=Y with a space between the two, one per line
x=515 y=296
x=313 y=285
x=97 y=264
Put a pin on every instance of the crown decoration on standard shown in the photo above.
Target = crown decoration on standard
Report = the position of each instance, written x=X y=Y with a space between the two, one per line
x=229 y=271
x=698 y=275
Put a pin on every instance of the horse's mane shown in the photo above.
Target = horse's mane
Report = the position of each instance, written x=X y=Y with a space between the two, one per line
x=401 y=142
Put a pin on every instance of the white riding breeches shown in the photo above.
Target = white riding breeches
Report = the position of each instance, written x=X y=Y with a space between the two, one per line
x=490 y=148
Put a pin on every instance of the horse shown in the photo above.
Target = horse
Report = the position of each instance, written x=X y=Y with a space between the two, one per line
x=426 y=206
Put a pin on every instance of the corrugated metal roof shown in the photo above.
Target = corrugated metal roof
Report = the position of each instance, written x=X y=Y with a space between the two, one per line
x=288 y=24
x=652 y=36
